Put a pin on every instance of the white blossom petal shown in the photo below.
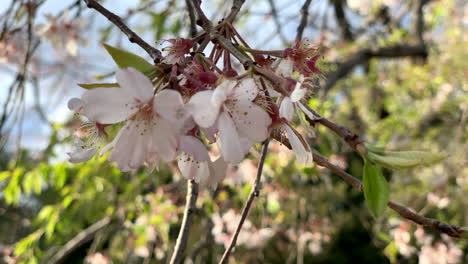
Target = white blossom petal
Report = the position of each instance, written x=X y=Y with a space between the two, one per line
x=300 y=147
x=251 y=121
x=169 y=104
x=164 y=139
x=192 y=169
x=194 y=147
x=76 y=104
x=298 y=93
x=308 y=113
x=229 y=140
x=286 y=109
x=218 y=170
x=285 y=68
x=80 y=153
x=107 y=105
x=135 y=84
x=246 y=90
x=127 y=148
x=203 y=111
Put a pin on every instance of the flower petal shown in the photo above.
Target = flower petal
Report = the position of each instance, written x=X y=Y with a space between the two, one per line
x=298 y=93
x=169 y=104
x=76 y=104
x=285 y=68
x=107 y=105
x=286 y=109
x=218 y=170
x=80 y=153
x=308 y=113
x=164 y=139
x=251 y=121
x=229 y=140
x=192 y=169
x=203 y=111
x=300 y=147
x=135 y=84
x=246 y=90
x=194 y=147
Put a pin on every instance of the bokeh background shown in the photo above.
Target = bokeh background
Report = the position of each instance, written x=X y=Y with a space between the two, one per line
x=394 y=71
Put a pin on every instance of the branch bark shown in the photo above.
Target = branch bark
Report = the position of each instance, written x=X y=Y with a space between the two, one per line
x=132 y=36
x=451 y=230
x=245 y=212
x=342 y=21
x=190 y=207
x=363 y=56
x=80 y=239
x=304 y=18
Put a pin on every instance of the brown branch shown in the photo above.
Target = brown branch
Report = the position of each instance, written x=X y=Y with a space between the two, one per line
x=363 y=56
x=190 y=207
x=81 y=238
x=236 y=6
x=132 y=36
x=342 y=21
x=451 y=230
x=304 y=17
x=193 y=20
x=253 y=193
x=279 y=28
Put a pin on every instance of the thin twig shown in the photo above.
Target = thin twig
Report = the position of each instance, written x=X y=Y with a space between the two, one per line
x=132 y=36
x=304 y=17
x=81 y=238
x=451 y=230
x=190 y=207
x=193 y=20
x=279 y=28
x=236 y=6
x=253 y=193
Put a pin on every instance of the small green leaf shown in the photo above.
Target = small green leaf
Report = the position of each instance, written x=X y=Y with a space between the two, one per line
x=4 y=175
x=89 y=86
x=125 y=59
x=376 y=189
x=273 y=206
x=405 y=159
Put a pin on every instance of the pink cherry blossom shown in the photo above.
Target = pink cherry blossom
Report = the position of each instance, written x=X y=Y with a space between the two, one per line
x=240 y=121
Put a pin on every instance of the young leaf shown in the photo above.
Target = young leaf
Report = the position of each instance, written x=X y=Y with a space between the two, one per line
x=89 y=86
x=376 y=191
x=125 y=59
x=405 y=159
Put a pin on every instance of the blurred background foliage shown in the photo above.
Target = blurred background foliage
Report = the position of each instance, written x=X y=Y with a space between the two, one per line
x=303 y=215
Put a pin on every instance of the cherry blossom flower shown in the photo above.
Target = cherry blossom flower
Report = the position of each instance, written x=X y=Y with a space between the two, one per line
x=292 y=103
x=240 y=121
x=152 y=122
x=303 y=58
x=62 y=32
x=176 y=52
x=89 y=136
x=299 y=146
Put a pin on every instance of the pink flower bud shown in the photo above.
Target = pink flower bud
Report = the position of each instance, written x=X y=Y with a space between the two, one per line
x=207 y=77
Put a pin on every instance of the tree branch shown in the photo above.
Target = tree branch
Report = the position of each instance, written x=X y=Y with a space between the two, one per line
x=236 y=6
x=132 y=36
x=190 y=207
x=81 y=238
x=193 y=20
x=451 y=230
x=342 y=21
x=304 y=17
x=363 y=56
x=253 y=193
x=277 y=22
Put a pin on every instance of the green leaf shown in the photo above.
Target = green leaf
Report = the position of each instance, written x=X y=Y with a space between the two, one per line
x=89 y=86
x=125 y=59
x=273 y=206
x=4 y=175
x=405 y=159
x=376 y=189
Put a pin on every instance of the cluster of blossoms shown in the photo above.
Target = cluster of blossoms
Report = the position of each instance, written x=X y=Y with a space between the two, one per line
x=62 y=32
x=188 y=101
x=428 y=249
x=251 y=237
